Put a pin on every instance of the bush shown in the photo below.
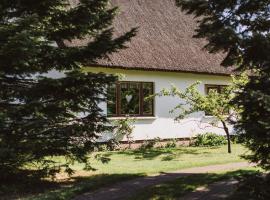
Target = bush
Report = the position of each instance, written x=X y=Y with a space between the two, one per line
x=110 y=145
x=149 y=144
x=124 y=127
x=171 y=144
x=237 y=139
x=209 y=139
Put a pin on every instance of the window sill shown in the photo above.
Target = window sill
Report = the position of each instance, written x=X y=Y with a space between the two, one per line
x=212 y=116
x=208 y=116
x=136 y=118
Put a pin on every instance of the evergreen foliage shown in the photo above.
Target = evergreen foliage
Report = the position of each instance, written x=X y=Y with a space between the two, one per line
x=241 y=29
x=43 y=116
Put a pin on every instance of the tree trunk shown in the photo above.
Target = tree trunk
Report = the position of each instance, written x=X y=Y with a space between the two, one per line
x=228 y=136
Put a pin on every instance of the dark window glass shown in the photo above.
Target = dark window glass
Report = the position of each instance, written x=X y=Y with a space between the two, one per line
x=217 y=88
x=222 y=88
x=147 y=103
x=111 y=100
x=212 y=89
x=130 y=98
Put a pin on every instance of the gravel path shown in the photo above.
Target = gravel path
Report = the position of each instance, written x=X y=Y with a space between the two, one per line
x=126 y=189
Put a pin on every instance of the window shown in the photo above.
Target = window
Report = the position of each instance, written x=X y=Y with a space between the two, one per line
x=129 y=98
x=217 y=88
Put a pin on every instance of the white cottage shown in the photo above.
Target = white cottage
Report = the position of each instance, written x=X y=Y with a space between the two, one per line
x=164 y=52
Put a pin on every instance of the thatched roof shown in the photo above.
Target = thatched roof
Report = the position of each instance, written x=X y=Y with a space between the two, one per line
x=164 y=40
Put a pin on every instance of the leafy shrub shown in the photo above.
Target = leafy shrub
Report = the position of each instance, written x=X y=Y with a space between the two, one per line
x=102 y=147
x=149 y=144
x=209 y=139
x=171 y=144
x=237 y=139
x=110 y=145
x=124 y=127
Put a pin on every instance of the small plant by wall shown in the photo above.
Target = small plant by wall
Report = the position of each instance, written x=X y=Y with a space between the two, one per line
x=111 y=145
x=171 y=144
x=124 y=127
x=149 y=144
x=209 y=139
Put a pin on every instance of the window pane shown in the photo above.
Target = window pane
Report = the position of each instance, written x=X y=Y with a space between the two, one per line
x=111 y=100
x=212 y=89
x=130 y=98
x=222 y=88
x=147 y=104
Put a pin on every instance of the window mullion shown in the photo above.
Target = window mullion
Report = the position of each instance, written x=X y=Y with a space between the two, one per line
x=141 y=98
x=118 y=99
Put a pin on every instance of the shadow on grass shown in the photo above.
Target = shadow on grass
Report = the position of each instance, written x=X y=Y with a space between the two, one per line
x=149 y=154
x=253 y=187
x=167 y=154
x=21 y=186
x=33 y=189
x=188 y=183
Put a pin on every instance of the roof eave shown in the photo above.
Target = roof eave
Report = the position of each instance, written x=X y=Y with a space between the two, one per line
x=159 y=69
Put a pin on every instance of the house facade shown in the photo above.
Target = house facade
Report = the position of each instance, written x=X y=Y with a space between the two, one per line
x=156 y=120
x=162 y=53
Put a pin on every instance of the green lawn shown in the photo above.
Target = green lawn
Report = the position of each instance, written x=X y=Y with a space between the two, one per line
x=123 y=165
x=165 y=159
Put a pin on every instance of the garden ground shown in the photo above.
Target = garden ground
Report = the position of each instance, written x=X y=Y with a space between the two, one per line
x=167 y=186
x=120 y=166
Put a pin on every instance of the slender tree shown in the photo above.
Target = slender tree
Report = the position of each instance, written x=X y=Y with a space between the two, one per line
x=215 y=104
x=43 y=116
x=241 y=29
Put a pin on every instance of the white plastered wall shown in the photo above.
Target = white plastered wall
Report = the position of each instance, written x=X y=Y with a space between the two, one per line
x=163 y=125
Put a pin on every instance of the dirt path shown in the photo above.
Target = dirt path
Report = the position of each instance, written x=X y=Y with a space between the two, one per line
x=124 y=190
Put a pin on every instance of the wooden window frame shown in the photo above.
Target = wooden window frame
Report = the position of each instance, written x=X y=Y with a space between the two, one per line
x=141 y=100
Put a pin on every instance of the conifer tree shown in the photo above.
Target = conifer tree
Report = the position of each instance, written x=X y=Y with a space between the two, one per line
x=42 y=115
x=241 y=29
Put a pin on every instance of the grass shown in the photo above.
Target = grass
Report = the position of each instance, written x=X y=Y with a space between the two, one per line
x=122 y=165
x=178 y=188
x=154 y=161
